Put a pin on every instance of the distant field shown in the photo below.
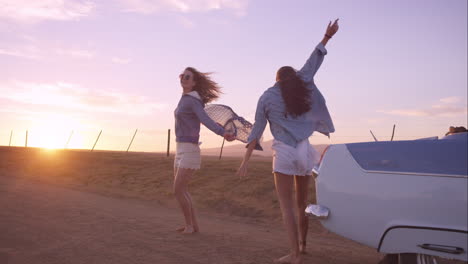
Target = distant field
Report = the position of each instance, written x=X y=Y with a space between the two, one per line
x=238 y=150
x=149 y=176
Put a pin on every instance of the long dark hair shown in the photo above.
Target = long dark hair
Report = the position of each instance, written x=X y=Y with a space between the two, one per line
x=295 y=94
x=208 y=89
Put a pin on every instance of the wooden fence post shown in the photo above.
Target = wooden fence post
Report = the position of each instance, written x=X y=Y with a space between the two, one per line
x=68 y=141
x=96 y=140
x=168 y=141
x=131 y=141
x=221 y=152
x=393 y=133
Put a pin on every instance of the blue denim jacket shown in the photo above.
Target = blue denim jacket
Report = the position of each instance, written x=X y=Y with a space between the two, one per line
x=291 y=130
x=188 y=115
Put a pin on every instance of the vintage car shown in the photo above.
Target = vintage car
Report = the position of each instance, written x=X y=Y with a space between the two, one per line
x=404 y=198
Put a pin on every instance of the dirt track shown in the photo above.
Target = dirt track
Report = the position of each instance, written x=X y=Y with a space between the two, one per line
x=40 y=223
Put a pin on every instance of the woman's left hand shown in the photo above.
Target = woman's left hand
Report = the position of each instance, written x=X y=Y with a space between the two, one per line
x=229 y=137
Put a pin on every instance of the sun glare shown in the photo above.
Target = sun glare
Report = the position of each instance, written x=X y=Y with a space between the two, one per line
x=53 y=132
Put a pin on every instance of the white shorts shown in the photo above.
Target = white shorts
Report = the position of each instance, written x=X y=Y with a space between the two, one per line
x=187 y=156
x=297 y=161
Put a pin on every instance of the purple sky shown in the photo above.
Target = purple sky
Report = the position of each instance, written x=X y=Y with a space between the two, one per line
x=114 y=65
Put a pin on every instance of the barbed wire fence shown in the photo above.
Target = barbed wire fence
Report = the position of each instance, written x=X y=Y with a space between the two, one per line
x=27 y=141
x=24 y=140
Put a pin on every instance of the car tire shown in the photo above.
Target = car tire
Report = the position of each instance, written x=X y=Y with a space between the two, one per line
x=408 y=258
x=389 y=259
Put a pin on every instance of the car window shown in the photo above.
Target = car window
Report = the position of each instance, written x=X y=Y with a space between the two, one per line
x=416 y=156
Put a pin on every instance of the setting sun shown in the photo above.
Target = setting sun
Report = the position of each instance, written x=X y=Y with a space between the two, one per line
x=53 y=132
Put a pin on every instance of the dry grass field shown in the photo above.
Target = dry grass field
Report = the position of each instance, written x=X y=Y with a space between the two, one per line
x=71 y=206
x=149 y=176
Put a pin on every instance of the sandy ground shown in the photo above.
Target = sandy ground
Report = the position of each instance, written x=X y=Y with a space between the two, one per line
x=43 y=223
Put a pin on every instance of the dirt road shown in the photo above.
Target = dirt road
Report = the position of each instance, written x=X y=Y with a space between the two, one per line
x=41 y=223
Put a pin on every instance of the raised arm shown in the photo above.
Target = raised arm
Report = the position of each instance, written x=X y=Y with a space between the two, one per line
x=307 y=72
x=331 y=30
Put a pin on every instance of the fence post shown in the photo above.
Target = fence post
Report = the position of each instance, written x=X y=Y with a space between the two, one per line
x=96 y=140
x=131 y=141
x=373 y=135
x=68 y=141
x=393 y=133
x=26 y=143
x=11 y=135
x=221 y=152
x=168 y=141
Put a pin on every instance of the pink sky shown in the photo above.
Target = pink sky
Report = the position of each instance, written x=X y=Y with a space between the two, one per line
x=114 y=65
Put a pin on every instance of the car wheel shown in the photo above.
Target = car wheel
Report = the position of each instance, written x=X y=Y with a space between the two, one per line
x=389 y=259
x=408 y=258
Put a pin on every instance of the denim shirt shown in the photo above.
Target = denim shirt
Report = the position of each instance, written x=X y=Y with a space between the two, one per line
x=287 y=129
x=188 y=115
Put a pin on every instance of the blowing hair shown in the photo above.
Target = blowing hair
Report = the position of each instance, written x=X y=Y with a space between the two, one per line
x=294 y=92
x=208 y=89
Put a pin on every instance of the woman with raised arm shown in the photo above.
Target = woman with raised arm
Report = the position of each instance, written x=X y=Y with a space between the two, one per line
x=295 y=108
x=198 y=89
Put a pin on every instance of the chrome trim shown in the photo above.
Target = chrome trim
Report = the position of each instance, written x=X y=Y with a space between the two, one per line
x=416 y=173
x=315 y=172
x=317 y=211
x=443 y=248
x=418 y=227
x=425 y=259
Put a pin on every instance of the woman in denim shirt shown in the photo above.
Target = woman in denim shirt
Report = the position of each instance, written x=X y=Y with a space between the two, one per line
x=198 y=89
x=295 y=108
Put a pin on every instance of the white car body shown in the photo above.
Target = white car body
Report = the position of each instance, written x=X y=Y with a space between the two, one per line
x=399 y=196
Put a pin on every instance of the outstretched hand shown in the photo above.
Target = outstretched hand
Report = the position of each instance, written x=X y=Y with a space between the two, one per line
x=229 y=137
x=332 y=28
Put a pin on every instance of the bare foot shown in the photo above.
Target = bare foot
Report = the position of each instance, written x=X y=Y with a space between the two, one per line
x=289 y=259
x=189 y=230
x=302 y=247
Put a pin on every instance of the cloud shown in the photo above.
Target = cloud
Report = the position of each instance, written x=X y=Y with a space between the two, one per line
x=185 y=22
x=118 y=60
x=20 y=46
x=20 y=54
x=238 y=7
x=28 y=38
x=31 y=51
x=446 y=107
x=368 y=120
x=78 y=53
x=450 y=100
x=27 y=11
x=69 y=96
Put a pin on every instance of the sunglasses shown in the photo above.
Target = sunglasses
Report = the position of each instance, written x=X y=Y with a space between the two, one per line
x=185 y=77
